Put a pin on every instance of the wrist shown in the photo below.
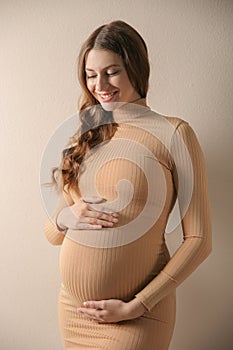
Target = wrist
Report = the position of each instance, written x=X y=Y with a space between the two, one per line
x=136 y=308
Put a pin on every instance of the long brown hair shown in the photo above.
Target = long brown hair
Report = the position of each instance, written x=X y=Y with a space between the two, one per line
x=98 y=125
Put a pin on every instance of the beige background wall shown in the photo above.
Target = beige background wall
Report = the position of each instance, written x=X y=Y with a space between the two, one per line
x=191 y=53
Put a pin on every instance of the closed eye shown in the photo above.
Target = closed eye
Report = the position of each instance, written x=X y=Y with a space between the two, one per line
x=112 y=73
x=91 y=76
x=108 y=75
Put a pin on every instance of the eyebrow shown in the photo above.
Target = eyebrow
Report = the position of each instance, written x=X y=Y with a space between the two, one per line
x=111 y=65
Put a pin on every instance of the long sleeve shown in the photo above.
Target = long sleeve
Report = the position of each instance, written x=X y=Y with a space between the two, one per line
x=196 y=222
x=54 y=235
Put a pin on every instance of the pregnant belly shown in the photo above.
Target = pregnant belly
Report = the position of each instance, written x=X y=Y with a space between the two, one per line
x=90 y=273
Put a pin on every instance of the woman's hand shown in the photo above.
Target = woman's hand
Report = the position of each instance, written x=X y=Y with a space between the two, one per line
x=86 y=213
x=112 y=310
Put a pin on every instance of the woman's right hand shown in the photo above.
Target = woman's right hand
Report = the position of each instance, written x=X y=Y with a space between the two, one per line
x=87 y=213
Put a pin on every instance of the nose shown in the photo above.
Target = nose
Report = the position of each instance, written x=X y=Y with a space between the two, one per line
x=101 y=83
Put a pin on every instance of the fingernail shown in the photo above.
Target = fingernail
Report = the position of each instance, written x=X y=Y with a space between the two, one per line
x=85 y=303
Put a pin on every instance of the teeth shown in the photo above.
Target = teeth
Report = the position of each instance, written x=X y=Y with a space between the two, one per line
x=107 y=96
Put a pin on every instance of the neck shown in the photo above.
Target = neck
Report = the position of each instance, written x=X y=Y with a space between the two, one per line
x=139 y=101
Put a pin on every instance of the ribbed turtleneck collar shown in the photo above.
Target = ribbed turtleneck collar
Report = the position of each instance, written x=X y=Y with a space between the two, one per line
x=130 y=110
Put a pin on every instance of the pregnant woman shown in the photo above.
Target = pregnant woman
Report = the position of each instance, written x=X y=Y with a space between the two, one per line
x=123 y=178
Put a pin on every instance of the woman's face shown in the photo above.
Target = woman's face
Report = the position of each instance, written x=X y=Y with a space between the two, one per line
x=107 y=79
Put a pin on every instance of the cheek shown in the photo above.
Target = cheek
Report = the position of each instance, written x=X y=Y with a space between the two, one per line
x=123 y=83
x=90 y=85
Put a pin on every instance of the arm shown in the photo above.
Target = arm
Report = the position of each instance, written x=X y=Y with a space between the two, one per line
x=77 y=213
x=53 y=232
x=196 y=224
x=195 y=248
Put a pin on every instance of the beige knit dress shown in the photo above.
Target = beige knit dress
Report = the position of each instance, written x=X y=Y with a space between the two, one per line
x=152 y=166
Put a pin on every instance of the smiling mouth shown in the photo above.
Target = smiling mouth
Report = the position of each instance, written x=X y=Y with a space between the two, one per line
x=107 y=96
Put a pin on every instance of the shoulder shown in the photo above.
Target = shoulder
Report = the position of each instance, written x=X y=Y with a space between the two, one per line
x=175 y=121
x=180 y=131
x=173 y=124
x=180 y=126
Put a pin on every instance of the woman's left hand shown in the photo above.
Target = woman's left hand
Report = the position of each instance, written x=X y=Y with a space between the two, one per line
x=112 y=310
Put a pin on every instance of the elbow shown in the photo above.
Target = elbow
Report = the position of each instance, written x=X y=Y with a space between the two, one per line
x=205 y=248
x=208 y=243
x=55 y=241
x=52 y=234
x=209 y=248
